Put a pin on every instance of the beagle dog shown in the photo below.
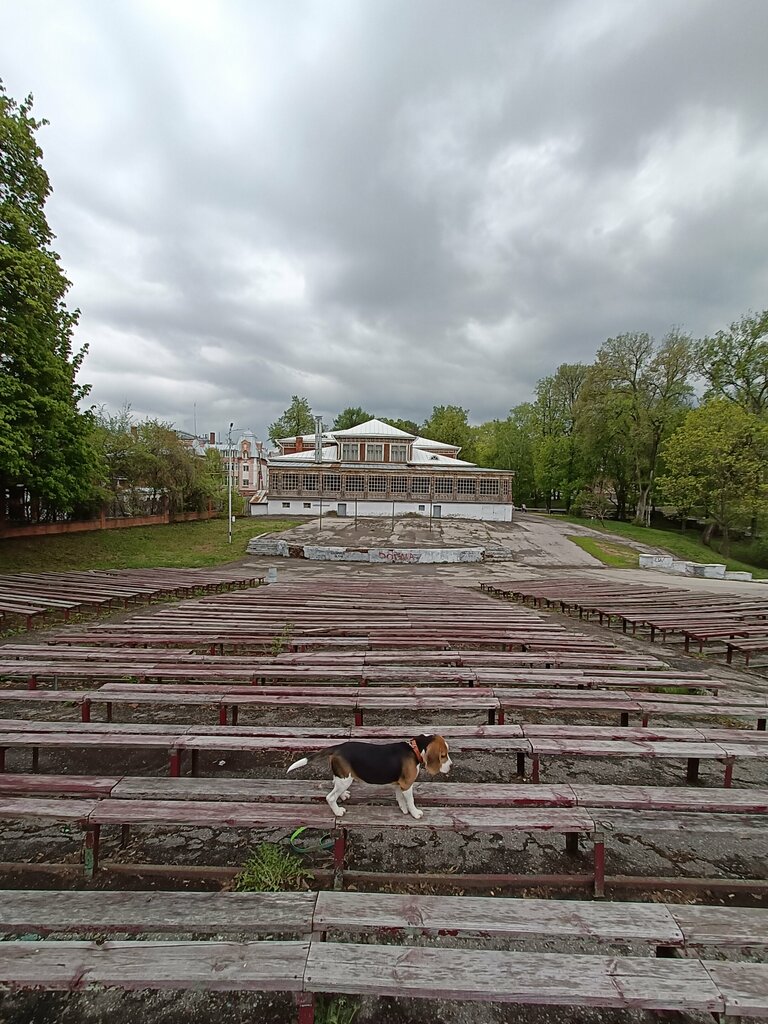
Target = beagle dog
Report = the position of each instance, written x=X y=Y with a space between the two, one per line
x=382 y=764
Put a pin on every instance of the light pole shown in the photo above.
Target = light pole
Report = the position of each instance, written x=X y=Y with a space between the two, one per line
x=229 y=483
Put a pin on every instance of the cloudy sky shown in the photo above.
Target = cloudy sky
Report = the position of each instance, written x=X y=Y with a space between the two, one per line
x=390 y=203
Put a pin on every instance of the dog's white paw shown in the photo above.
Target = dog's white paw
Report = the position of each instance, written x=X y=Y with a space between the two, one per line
x=345 y=796
x=339 y=811
x=404 y=809
x=417 y=812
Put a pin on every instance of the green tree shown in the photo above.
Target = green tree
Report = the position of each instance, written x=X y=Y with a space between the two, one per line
x=351 y=417
x=508 y=444
x=718 y=460
x=47 y=463
x=556 y=447
x=646 y=387
x=297 y=419
x=734 y=363
x=409 y=426
x=448 y=423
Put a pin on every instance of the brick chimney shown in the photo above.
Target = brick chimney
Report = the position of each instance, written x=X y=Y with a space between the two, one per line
x=212 y=437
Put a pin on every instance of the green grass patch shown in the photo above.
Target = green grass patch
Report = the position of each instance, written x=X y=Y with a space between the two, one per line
x=680 y=545
x=177 y=546
x=272 y=868
x=618 y=556
x=336 y=1009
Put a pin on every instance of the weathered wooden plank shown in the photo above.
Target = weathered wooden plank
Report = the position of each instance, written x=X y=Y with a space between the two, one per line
x=220 y=813
x=71 y=785
x=744 y=987
x=721 y=926
x=671 y=798
x=41 y=809
x=527 y=978
x=207 y=966
x=629 y=822
x=208 y=913
x=472 y=819
x=459 y=915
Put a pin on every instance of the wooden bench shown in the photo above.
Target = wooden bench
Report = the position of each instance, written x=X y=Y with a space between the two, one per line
x=313 y=965
x=690 y=745
x=747 y=647
x=572 y=811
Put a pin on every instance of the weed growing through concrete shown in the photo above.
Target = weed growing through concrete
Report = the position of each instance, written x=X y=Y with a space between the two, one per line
x=271 y=868
x=340 y=1010
x=281 y=642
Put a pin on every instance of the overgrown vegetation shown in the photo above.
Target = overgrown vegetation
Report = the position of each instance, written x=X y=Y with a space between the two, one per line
x=180 y=545
x=677 y=544
x=282 y=641
x=619 y=556
x=272 y=868
x=336 y=1009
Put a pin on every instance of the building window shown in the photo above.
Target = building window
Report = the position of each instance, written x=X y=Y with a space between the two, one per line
x=350 y=452
x=354 y=483
x=374 y=453
x=307 y=504
x=290 y=481
x=398 y=452
x=505 y=487
x=398 y=484
x=489 y=487
x=422 y=508
x=465 y=486
x=443 y=486
x=377 y=484
x=331 y=482
x=309 y=481
x=286 y=504
x=420 y=485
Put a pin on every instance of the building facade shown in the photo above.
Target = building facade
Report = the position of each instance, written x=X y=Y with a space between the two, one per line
x=377 y=470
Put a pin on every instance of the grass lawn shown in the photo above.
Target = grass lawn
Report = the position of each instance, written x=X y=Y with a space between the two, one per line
x=179 y=546
x=686 y=546
x=618 y=556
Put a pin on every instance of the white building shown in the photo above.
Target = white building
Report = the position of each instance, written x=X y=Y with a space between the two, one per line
x=377 y=470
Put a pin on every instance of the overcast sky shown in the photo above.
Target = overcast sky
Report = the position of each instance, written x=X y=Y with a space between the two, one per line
x=390 y=203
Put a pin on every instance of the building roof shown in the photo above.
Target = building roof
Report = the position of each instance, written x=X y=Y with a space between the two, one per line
x=373 y=428
x=427 y=442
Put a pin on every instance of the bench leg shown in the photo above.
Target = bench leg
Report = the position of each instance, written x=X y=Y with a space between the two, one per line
x=85 y=711
x=305 y=1004
x=491 y=716
x=2 y=759
x=223 y=720
x=235 y=710
x=125 y=835
x=761 y=725
x=599 y=853
x=572 y=843
x=521 y=765
x=358 y=716
x=624 y=721
x=339 y=852
x=175 y=764
x=109 y=710
x=500 y=717
x=195 y=761
x=692 y=774
x=91 y=850
x=35 y=759
x=728 y=778
x=535 y=768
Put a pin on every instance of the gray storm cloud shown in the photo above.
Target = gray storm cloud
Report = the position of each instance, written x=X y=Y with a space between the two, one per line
x=392 y=205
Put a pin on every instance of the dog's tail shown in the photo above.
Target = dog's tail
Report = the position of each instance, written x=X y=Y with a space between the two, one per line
x=312 y=757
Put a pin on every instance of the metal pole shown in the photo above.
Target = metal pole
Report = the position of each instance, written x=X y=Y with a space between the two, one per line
x=229 y=484
x=355 y=513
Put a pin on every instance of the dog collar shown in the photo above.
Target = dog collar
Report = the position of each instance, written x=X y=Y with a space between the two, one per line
x=417 y=752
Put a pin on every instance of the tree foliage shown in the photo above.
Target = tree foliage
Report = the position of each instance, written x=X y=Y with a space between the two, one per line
x=734 y=362
x=449 y=423
x=297 y=419
x=718 y=460
x=148 y=468
x=409 y=426
x=47 y=464
x=350 y=417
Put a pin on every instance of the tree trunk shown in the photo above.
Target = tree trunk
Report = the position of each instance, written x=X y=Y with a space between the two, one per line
x=706 y=536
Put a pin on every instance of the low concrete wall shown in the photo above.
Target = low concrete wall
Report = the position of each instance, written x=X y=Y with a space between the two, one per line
x=384 y=556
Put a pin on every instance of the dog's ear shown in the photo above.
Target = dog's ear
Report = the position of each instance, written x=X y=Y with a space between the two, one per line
x=432 y=756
